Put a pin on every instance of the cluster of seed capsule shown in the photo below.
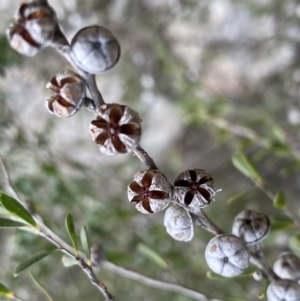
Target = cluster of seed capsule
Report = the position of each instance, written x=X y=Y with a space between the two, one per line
x=117 y=130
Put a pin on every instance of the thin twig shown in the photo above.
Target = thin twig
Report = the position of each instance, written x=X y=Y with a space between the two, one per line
x=202 y=220
x=263 y=266
x=85 y=267
x=54 y=239
x=144 y=157
x=155 y=283
x=291 y=214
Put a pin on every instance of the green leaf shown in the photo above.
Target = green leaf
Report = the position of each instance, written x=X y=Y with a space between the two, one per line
x=263 y=290
x=85 y=242
x=245 y=166
x=9 y=223
x=71 y=230
x=41 y=288
x=68 y=261
x=295 y=243
x=26 y=264
x=281 y=222
x=239 y=196
x=14 y=207
x=155 y=257
x=279 y=201
x=5 y=291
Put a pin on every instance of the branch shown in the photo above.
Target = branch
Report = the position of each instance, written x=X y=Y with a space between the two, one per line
x=202 y=220
x=156 y=283
x=85 y=267
x=144 y=157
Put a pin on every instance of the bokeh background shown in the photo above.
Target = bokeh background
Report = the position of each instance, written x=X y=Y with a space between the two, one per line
x=209 y=78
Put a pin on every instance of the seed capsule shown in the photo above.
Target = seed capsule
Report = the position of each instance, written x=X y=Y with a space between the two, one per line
x=287 y=266
x=95 y=49
x=251 y=226
x=150 y=190
x=21 y=41
x=178 y=223
x=286 y=290
x=193 y=189
x=117 y=129
x=69 y=92
x=39 y=21
x=227 y=255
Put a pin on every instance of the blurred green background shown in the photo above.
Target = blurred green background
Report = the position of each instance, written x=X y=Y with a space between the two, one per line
x=209 y=78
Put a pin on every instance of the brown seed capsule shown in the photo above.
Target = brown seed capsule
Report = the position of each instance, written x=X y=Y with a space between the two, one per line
x=283 y=290
x=251 y=226
x=95 y=49
x=150 y=190
x=287 y=266
x=21 y=41
x=194 y=189
x=227 y=255
x=178 y=223
x=117 y=129
x=39 y=20
x=70 y=93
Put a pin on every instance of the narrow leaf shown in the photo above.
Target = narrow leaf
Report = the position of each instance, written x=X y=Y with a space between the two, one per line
x=68 y=261
x=40 y=287
x=263 y=290
x=71 y=230
x=245 y=166
x=239 y=196
x=5 y=291
x=14 y=207
x=26 y=264
x=279 y=201
x=281 y=222
x=155 y=257
x=8 y=223
x=85 y=242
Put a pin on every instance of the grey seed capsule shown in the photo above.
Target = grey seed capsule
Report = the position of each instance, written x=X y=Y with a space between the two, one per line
x=95 y=49
x=227 y=255
x=251 y=226
x=178 y=223
x=286 y=290
x=287 y=266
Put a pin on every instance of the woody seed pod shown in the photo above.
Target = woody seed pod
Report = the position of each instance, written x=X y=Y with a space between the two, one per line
x=95 y=49
x=117 y=129
x=150 y=190
x=70 y=93
x=178 y=223
x=251 y=226
x=286 y=290
x=21 y=41
x=287 y=266
x=193 y=189
x=39 y=20
x=227 y=255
